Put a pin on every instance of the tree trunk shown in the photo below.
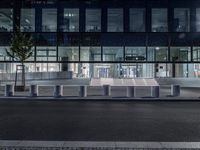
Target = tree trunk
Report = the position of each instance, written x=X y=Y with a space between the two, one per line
x=23 y=77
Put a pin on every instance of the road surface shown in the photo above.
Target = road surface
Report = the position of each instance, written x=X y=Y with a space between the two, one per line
x=100 y=121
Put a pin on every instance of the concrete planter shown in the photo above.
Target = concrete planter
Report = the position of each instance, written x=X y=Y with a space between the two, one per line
x=107 y=90
x=33 y=90
x=58 y=91
x=9 y=90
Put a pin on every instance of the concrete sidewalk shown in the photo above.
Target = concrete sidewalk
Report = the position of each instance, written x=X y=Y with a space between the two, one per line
x=71 y=89
x=87 y=145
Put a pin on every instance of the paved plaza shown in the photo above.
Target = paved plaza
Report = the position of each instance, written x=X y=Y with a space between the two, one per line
x=72 y=92
x=71 y=89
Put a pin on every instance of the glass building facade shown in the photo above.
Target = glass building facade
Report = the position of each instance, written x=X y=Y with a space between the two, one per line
x=105 y=38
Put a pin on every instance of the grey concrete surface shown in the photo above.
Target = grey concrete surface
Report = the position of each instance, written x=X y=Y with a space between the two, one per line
x=116 y=92
x=183 y=82
x=88 y=145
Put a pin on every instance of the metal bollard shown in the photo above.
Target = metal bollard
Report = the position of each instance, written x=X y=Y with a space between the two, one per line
x=58 y=91
x=130 y=91
x=155 y=91
x=175 y=90
x=107 y=90
x=9 y=90
x=83 y=91
x=33 y=90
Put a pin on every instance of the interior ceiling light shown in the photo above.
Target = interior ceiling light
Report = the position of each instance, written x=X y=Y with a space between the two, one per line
x=157 y=48
x=27 y=21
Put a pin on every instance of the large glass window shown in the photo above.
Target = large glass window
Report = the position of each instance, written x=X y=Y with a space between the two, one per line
x=112 y=53
x=49 y=20
x=32 y=57
x=196 y=69
x=71 y=20
x=68 y=39
x=90 y=53
x=159 y=20
x=196 y=53
x=157 y=53
x=180 y=53
x=68 y=53
x=3 y=54
x=27 y=20
x=115 y=20
x=6 y=20
x=182 y=70
x=198 y=19
x=137 y=20
x=46 y=53
x=181 y=19
x=93 y=20
x=43 y=67
x=135 y=54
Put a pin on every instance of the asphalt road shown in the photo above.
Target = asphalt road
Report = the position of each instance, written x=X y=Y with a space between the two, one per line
x=100 y=121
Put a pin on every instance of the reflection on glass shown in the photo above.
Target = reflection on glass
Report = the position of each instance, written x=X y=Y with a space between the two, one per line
x=112 y=53
x=159 y=20
x=32 y=57
x=49 y=20
x=196 y=53
x=3 y=54
x=71 y=20
x=137 y=20
x=115 y=20
x=198 y=19
x=68 y=53
x=6 y=20
x=46 y=67
x=46 y=53
x=90 y=53
x=183 y=70
x=180 y=53
x=182 y=19
x=157 y=53
x=135 y=54
x=27 y=20
x=93 y=20
x=46 y=39
x=196 y=68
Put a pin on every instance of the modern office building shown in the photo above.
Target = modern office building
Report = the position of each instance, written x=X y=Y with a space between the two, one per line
x=105 y=38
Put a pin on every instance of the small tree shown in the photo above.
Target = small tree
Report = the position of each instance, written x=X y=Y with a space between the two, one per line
x=20 y=50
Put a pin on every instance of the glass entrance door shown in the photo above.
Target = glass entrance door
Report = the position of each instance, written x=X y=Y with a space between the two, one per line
x=132 y=70
x=103 y=72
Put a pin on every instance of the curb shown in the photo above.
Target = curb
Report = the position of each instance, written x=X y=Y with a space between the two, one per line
x=116 y=99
